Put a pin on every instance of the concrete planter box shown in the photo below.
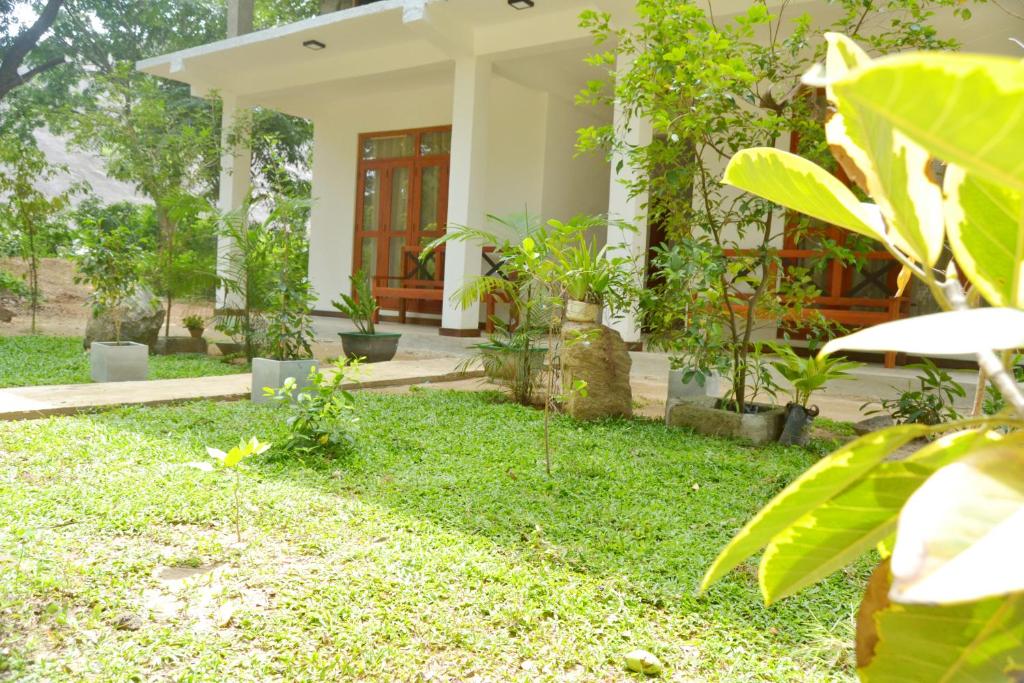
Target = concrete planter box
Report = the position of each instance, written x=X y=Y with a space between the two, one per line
x=678 y=390
x=703 y=417
x=374 y=348
x=118 y=361
x=168 y=346
x=273 y=373
x=229 y=348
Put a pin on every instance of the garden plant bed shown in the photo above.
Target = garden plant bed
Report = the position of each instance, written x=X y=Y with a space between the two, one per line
x=439 y=550
x=37 y=361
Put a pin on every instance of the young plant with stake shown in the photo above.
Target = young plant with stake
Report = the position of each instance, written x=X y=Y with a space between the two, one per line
x=234 y=460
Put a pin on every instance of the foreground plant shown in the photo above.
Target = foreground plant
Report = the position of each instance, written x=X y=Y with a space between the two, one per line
x=233 y=460
x=322 y=415
x=947 y=601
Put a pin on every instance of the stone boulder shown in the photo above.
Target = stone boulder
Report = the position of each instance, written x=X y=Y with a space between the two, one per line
x=597 y=355
x=141 y=321
x=6 y=315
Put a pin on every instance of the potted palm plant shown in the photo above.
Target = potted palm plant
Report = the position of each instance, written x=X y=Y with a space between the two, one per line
x=109 y=262
x=361 y=307
x=514 y=354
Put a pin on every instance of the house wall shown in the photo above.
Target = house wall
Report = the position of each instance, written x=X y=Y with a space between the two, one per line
x=530 y=164
x=572 y=184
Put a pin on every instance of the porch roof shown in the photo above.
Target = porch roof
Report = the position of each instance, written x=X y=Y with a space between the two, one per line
x=392 y=42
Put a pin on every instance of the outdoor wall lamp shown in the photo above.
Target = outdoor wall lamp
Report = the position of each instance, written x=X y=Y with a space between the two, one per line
x=313 y=45
x=520 y=4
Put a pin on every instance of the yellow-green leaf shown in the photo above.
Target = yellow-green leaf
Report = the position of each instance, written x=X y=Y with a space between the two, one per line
x=943 y=334
x=964 y=109
x=983 y=221
x=798 y=184
x=895 y=172
x=968 y=643
x=824 y=480
x=961 y=535
x=836 y=533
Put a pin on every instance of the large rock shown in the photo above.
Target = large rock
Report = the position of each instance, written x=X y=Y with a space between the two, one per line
x=597 y=355
x=141 y=320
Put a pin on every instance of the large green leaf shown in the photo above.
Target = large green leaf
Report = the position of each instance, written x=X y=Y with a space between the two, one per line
x=964 y=109
x=961 y=535
x=824 y=480
x=969 y=642
x=836 y=533
x=894 y=171
x=944 y=334
x=983 y=221
x=798 y=184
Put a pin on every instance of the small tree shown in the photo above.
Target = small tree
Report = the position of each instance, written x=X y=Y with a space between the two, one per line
x=31 y=219
x=711 y=87
x=109 y=261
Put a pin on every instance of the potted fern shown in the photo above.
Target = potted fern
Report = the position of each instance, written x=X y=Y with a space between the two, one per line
x=361 y=307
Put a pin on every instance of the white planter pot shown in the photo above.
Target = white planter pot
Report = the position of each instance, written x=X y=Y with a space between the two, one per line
x=582 y=312
x=118 y=361
x=273 y=373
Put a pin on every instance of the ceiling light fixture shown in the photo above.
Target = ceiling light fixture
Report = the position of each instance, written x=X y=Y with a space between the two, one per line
x=313 y=45
x=520 y=4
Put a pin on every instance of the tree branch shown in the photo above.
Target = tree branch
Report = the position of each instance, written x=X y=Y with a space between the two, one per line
x=26 y=41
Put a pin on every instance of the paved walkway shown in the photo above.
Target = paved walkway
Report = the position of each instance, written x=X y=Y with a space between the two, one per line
x=24 y=403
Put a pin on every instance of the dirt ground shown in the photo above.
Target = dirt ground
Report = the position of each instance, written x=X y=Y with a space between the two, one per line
x=65 y=306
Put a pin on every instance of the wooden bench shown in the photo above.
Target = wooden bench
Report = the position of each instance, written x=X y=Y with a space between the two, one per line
x=848 y=311
x=425 y=290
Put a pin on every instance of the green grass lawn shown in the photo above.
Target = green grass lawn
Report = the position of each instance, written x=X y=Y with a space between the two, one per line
x=440 y=551
x=38 y=360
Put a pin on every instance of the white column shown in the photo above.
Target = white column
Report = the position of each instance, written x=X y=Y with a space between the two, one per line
x=235 y=178
x=466 y=188
x=627 y=207
x=332 y=219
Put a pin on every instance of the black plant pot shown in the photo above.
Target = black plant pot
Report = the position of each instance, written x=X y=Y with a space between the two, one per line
x=372 y=348
x=798 y=422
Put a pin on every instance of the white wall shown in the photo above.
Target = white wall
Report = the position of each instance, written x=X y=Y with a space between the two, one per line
x=572 y=184
x=335 y=158
x=516 y=174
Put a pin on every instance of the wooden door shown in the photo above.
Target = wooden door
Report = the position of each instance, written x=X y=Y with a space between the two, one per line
x=401 y=204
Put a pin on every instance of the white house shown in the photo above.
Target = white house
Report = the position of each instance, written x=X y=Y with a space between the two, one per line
x=435 y=112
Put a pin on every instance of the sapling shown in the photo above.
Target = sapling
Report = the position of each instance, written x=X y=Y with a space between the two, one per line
x=233 y=460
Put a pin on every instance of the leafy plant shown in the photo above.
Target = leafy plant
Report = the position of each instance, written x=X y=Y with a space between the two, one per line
x=808 y=375
x=679 y=320
x=360 y=306
x=522 y=250
x=946 y=519
x=265 y=269
x=321 y=415
x=512 y=357
x=930 y=404
x=234 y=460
x=193 y=322
x=12 y=284
x=109 y=261
x=709 y=86
x=597 y=276
x=31 y=218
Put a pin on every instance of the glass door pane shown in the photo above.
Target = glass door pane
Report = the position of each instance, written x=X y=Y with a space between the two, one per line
x=399 y=199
